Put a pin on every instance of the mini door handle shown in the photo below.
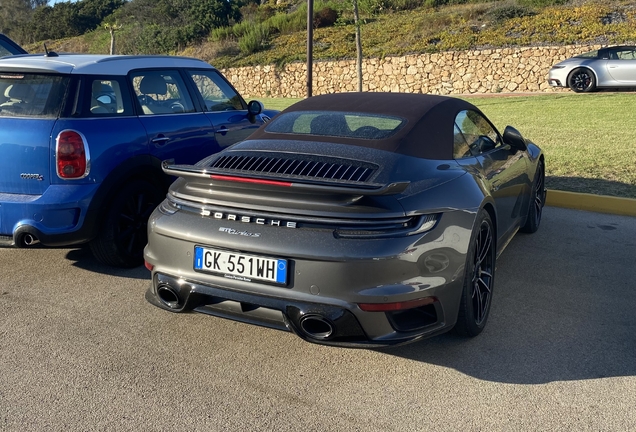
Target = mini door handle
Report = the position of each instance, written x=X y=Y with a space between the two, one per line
x=222 y=130
x=160 y=140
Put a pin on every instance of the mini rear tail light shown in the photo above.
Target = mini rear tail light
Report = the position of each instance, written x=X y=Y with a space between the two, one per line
x=71 y=154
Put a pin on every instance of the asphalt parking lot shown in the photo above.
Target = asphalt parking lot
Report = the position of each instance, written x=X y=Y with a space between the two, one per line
x=80 y=349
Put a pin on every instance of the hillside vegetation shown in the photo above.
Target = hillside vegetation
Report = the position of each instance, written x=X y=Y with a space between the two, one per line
x=274 y=32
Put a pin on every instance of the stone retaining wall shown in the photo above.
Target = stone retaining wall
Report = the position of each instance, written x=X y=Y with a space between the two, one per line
x=506 y=70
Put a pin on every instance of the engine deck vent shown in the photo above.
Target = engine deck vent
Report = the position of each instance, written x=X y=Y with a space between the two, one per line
x=297 y=167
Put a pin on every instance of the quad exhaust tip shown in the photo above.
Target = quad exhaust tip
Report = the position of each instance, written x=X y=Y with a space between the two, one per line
x=316 y=326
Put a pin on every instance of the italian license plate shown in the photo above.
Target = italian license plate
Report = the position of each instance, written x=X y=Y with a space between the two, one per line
x=240 y=266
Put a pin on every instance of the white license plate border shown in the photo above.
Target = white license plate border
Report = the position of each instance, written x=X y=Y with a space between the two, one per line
x=288 y=263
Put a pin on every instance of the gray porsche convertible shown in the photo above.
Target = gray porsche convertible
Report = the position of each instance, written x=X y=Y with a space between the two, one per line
x=353 y=219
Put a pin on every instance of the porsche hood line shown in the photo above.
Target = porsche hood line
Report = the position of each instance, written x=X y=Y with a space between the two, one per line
x=357 y=219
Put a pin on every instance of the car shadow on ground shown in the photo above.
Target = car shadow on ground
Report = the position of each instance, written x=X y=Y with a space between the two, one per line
x=83 y=258
x=563 y=307
x=591 y=186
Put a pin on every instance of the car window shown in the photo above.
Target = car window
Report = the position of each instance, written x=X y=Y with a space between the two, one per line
x=334 y=123
x=4 y=50
x=460 y=146
x=217 y=94
x=161 y=92
x=31 y=95
x=479 y=135
x=622 y=54
x=591 y=54
x=106 y=98
x=8 y=47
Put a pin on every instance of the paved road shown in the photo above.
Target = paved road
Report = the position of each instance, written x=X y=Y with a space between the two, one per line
x=80 y=349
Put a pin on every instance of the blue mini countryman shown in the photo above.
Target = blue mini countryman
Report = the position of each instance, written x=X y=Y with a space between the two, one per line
x=82 y=139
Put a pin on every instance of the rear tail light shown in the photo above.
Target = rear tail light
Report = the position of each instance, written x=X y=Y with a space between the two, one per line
x=390 y=307
x=71 y=154
x=250 y=180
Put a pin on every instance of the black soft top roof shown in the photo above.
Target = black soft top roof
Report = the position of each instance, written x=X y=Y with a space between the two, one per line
x=428 y=132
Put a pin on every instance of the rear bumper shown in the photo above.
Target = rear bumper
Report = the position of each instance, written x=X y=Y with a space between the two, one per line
x=59 y=217
x=328 y=277
x=332 y=324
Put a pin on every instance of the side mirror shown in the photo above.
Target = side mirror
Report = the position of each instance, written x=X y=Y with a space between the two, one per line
x=254 y=108
x=514 y=139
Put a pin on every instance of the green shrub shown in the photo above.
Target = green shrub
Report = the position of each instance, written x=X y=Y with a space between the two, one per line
x=254 y=39
x=374 y=7
x=221 y=34
x=242 y=28
x=541 y=3
x=509 y=11
x=289 y=23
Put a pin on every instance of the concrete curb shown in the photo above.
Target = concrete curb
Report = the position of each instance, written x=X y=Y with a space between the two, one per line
x=590 y=202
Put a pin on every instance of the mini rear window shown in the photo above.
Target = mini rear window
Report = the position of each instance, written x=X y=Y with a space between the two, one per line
x=31 y=95
x=337 y=124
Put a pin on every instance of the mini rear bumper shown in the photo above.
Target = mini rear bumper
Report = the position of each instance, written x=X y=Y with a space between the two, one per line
x=322 y=323
x=56 y=218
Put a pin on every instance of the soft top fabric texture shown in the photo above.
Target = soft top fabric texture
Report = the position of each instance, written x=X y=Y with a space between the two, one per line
x=428 y=132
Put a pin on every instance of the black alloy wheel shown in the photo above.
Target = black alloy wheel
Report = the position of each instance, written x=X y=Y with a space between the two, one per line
x=123 y=233
x=483 y=270
x=535 y=209
x=479 y=279
x=582 y=80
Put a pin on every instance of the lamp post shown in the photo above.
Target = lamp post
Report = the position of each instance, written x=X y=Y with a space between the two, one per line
x=310 y=45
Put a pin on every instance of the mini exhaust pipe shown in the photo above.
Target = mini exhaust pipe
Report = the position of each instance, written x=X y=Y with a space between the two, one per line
x=316 y=326
x=29 y=240
x=168 y=296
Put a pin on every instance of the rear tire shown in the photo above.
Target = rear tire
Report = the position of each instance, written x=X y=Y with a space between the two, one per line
x=535 y=209
x=123 y=231
x=479 y=279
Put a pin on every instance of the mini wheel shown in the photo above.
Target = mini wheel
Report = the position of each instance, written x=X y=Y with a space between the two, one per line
x=123 y=231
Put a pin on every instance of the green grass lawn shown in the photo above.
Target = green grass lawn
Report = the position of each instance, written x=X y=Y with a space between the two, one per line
x=589 y=140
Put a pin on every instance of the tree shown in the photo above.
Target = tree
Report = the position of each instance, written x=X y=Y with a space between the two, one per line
x=356 y=20
x=112 y=28
x=15 y=16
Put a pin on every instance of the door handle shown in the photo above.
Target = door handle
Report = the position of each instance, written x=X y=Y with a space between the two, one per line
x=160 y=140
x=222 y=130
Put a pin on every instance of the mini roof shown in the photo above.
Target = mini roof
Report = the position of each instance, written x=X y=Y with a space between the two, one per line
x=428 y=132
x=94 y=64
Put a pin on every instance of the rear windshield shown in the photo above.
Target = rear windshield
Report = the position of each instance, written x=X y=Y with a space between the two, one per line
x=338 y=124
x=31 y=95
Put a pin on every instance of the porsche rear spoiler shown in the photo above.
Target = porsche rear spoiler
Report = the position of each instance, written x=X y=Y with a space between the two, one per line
x=297 y=185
